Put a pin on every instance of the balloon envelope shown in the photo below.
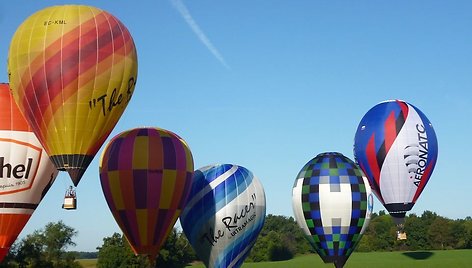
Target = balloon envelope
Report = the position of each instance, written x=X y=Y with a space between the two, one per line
x=72 y=71
x=26 y=173
x=146 y=174
x=224 y=214
x=332 y=203
x=396 y=147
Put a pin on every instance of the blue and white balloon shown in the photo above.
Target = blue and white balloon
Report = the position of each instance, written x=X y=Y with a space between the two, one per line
x=224 y=214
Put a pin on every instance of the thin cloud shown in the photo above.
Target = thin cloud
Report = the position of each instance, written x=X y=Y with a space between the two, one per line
x=179 y=5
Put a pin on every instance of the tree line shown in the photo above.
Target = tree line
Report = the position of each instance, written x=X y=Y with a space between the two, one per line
x=429 y=231
x=280 y=239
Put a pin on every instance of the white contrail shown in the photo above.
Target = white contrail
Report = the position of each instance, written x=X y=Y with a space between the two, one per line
x=179 y=5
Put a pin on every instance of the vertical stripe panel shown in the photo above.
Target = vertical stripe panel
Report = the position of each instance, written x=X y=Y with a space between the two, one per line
x=105 y=183
x=127 y=221
x=141 y=151
x=11 y=226
x=168 y=187
x=115 y=189
x=126 y=158
x=154 y=188
x=372 y=159
x=160 y=227
x=156 y=155
x=169 y=152
x=178 y=189
x=142 y=220
x=127 y=189
x=404 y=108
x=152 y=218
x=390 y=131
x=10 y=117
x=113 y=155
x=180 y=156
x=140 y=182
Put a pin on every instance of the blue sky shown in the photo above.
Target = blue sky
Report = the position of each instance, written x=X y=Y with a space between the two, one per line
x=271 y=84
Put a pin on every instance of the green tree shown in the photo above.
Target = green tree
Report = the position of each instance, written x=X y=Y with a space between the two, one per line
x=428 y=217
x=382 y=232
x=44 y=248
x=56 y=238
x=277 y=249
x=365 y=245
x=458 y=233
x=468 y=232
x=116 y=252
x=31 y=251
x=416 y=230
x=292 y=236
x=260 y=250
x=176 y=252
x=368 y=240
x=439 y=233
x=280 y=239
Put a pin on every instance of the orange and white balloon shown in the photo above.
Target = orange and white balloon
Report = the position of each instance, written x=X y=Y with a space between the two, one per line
x=26 y=172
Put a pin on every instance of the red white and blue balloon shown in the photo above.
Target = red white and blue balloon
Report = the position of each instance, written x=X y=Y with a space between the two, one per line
x=396 y=147
x=224 y=214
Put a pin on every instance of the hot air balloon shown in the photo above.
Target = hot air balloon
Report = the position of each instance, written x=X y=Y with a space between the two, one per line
x=332 y=203
x=146 y=175
x=396 y=147
x=224 y=214
x=26 y=173
x=72 y=72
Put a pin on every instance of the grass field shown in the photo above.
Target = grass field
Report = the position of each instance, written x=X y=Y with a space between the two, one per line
x=420 y=259
x=449 y=258
x=88 y=263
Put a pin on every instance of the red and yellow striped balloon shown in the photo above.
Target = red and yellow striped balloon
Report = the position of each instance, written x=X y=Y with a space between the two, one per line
x=26 y=173
x=72 y=71
x=146 y=175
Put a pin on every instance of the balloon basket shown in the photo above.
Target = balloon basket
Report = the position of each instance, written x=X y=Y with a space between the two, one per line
x=70 y=203
x=70 y=199
x=401 y=235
